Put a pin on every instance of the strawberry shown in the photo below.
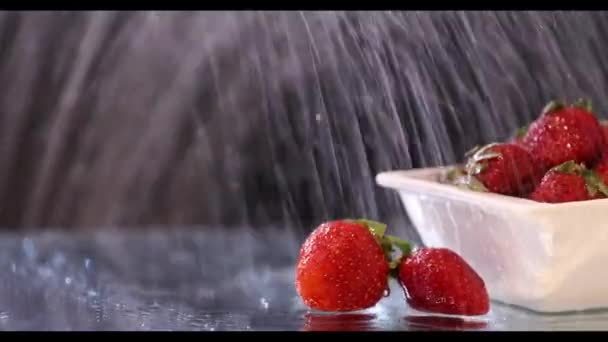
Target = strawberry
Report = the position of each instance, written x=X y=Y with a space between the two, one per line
x=564 y=133
x=569 y=182
x=439 y=280
x=604 y=125
x=342 y=266
x=506 y=169
x=557 y=187
x=601 y=168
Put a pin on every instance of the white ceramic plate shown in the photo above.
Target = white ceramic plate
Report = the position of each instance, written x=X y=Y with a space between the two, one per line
x=544 y=257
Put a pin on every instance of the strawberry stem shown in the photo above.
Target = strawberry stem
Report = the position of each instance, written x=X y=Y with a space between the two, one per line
x=404 y=246
x=584 y=104
x=460 y=178
x=570 y=167
x=476 y=162
x=472 y=151
x=552 y=107
x=386 y=242
x=594 y=183
x=581 y=103
x=521 y=132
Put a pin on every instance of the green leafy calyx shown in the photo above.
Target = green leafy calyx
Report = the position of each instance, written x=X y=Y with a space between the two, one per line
x=460 y=178
x=376 y=228
x=555 y=106
x=594 y=183
x=569 y=167
x=521 y=132
x=583 y=104
x=552 y=106
x=477 y=160
x=389 y=244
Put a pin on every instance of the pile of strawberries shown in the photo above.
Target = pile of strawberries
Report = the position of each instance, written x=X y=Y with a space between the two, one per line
x=562 y=156
x=345 y=265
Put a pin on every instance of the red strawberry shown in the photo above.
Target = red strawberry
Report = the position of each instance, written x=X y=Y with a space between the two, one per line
x=439 y=280
x=342 y=266
x=569 y=182
x=604 y=125
x=506 y=169
x=558 y=187
x=601 y=168
x=564 y=133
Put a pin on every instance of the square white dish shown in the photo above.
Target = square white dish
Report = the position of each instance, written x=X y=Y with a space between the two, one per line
x=543 y=257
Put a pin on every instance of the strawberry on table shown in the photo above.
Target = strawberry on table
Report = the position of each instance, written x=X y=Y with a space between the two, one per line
x=344 y=265
x=564 y=133
x=439 y=280
x=569 y=182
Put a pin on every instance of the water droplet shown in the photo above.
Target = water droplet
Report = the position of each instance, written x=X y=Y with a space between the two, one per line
x=29 y=249
x=58 y=260
x=68 y=280
x=387 y=292
x=45 y=272
x=264 y=303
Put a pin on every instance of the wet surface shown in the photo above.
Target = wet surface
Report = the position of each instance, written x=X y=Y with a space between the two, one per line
x=211 y=281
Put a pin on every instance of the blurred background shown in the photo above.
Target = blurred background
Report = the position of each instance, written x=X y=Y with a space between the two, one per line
x=141 y=119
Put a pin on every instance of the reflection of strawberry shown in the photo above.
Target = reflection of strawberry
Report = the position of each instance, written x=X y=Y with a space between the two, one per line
x=444 y=322
x=342 y=322
x=565 y=133
x=569 y=182
x=342 y=267
x=439 y=280
x=506 y=169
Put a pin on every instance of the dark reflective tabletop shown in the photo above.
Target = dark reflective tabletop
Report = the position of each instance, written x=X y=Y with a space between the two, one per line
x=198 y=280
